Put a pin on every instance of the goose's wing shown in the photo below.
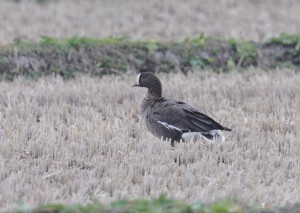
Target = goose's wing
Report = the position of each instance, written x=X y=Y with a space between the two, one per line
x=183 y=116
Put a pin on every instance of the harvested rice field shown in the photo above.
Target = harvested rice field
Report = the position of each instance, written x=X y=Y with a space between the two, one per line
x=73 y=141
x=82 y=140
x=143 y=20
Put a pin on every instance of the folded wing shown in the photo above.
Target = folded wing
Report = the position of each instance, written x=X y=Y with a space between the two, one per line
x=184 y=117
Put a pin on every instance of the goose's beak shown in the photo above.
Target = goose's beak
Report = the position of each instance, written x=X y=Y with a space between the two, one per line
x=135 y=85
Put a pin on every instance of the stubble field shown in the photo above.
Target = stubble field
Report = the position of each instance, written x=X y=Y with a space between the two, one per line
x=162 y=20
x=76 y=140
x=72 y=141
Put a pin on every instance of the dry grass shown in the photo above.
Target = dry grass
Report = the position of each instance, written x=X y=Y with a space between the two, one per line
x=75 y=140
x=169 y=19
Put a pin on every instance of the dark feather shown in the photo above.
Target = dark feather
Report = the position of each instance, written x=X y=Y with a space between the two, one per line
x=183 y=116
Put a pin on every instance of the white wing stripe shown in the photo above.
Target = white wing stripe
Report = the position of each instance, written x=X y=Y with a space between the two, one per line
x=168 y=126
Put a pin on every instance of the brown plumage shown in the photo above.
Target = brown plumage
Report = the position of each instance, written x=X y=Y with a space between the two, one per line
x=171 y=119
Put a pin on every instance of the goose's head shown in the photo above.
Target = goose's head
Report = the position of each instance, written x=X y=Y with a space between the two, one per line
x=150 y=81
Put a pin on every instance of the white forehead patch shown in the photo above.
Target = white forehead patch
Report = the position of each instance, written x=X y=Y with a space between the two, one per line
x=138 y=79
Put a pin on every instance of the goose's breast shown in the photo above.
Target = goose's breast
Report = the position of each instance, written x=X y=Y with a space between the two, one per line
x=152 y=126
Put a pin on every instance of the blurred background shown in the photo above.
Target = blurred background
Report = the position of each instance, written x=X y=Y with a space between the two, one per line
x=139 y=19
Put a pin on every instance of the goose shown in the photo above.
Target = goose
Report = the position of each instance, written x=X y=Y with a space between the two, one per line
x=171 y=119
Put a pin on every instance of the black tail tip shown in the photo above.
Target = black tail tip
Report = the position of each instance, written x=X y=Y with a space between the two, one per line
x=227 y=129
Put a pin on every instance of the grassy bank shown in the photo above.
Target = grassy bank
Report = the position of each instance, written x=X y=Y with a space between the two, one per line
x=98 y=57
x=161 y=204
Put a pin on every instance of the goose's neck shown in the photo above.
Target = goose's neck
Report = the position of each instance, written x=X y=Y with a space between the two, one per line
x=155 y=91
